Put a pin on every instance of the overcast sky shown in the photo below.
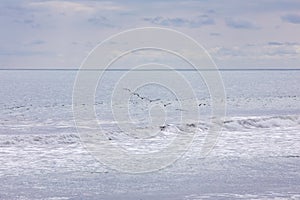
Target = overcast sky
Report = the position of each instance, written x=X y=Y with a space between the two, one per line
x=237 y=33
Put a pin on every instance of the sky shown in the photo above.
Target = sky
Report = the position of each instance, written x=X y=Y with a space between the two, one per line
x=236 y=33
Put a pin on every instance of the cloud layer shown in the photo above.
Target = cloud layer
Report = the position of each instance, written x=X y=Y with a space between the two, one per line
x=291 y=18
x=61 y=33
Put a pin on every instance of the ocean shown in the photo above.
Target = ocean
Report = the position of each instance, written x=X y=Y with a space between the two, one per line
x=256 y=156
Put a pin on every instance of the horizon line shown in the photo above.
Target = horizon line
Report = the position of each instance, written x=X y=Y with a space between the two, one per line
x=128 y=69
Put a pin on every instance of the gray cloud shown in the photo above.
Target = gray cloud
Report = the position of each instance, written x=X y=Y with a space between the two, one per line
x=282 y=52
x=215 y=34
x=240 y=24
x=272 y=49
x=36 y=42
x=273 y=43
x=198 y=21
x=24 y=53
x=231 y=52
x=291 y=18
x=28 y=22
x=100 y=21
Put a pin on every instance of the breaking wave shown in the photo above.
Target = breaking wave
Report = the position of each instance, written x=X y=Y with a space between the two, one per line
x=230 y=124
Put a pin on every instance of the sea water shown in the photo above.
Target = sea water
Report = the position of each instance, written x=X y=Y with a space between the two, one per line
x=257 y=154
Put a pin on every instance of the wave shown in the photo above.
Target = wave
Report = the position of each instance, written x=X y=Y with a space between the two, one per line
x=265 y=122
x=39 y=139
x=243 y=123
x=230 y=124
